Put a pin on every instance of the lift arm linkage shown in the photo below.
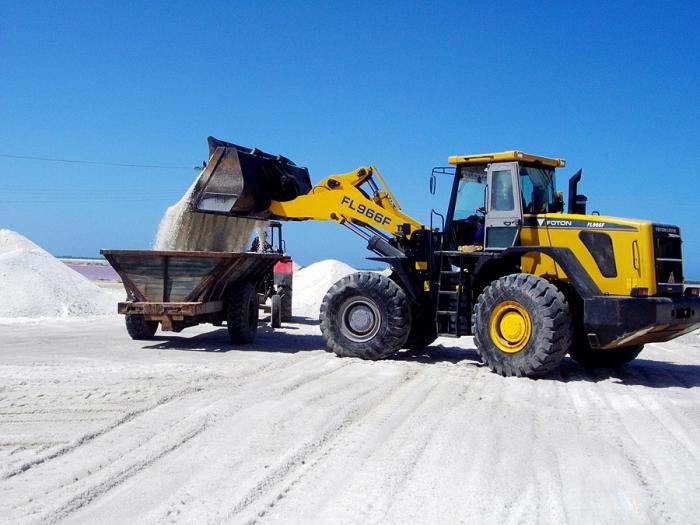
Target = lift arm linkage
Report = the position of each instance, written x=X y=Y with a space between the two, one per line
x=340 y=198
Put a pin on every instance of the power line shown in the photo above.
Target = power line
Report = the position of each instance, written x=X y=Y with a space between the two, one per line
x=82 y=191
x=97 y=163
x=89 y=200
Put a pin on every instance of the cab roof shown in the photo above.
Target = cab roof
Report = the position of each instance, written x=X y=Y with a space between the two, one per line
x=506 y=156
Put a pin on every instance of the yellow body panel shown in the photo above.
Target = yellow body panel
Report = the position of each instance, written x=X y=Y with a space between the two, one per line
x=506 y=156
x=338 y=198
x=631 y=240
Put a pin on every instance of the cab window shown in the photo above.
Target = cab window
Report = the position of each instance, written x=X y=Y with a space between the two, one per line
x=470 y=191
x=537 y=187
x=502 y=192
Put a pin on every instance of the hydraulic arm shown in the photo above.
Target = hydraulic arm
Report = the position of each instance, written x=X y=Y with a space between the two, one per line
x=343 y=199
x=247 y=182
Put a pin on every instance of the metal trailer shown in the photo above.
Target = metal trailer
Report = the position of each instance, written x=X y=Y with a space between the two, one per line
x=179 y=289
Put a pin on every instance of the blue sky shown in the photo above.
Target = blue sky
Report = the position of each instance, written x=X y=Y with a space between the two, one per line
x=611 y=87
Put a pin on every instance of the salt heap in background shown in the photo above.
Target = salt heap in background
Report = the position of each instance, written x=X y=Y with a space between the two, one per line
x=35 y=284
x=311 y=284
x=183 y=230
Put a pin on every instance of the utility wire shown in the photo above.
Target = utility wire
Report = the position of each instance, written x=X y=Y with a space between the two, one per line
x=64 y=192
x=97 y=163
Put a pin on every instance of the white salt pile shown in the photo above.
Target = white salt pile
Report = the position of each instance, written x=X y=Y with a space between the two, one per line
x=35 y=284
x=183 y=230
x=692 y=339
x=311 y=284
x=10 y=241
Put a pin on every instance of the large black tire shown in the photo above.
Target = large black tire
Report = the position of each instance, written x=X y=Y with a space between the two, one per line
x=242 y=313
x=522 y=326
x=365 y=315
x=589 y=357
x=423 y=329
x=139 y=328
x=275 y=311
x=285 y=293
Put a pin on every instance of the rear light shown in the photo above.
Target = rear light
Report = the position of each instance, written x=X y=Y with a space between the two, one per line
x=640 y=292
x=283 y=266
x=692 y=291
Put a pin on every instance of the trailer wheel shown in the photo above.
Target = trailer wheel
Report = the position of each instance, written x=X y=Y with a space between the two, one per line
x=365 y=315
x=242 y=313
x=589 y=357
x=140 y=329
x=276 y=311
x=522 y=326
x=285 y=293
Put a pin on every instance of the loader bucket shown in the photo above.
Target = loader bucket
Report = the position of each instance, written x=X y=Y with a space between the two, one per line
x=242 y=182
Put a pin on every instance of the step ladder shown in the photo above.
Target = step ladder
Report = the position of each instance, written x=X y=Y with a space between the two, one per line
x=452 y=315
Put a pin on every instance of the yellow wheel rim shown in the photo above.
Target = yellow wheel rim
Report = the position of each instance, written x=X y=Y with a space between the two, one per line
x=510 y=327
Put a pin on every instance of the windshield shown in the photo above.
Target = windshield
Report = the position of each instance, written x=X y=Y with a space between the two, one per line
x=538 y=189
x=470 y=191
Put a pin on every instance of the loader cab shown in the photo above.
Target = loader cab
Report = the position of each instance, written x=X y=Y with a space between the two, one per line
x=490 y=195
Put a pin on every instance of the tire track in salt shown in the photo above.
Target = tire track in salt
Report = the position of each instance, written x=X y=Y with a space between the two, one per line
x=650 y=474
x=175 y=441
x=207 y=380
x=24 y=467
x=234 y=405
x=176 y=499
x=608 y=422
x=306 y=455
x=400 y=427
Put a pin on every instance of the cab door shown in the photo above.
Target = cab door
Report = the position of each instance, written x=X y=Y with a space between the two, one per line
x=504 y=207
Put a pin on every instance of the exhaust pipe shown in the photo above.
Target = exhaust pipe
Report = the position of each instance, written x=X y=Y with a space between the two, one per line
x=573 y=189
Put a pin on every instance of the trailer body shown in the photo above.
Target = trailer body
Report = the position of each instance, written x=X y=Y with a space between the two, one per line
x=179 y=289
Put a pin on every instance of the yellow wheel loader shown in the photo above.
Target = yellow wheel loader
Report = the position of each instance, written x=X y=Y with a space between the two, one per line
x=506 y=264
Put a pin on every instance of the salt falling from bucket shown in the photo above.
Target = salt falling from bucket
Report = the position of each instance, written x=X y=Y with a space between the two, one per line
x=183 y=230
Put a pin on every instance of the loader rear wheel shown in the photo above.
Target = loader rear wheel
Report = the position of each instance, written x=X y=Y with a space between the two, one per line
x=139 y=328
x=242 y=313
x=522 y=326
x=365 y=315
x=589 y=357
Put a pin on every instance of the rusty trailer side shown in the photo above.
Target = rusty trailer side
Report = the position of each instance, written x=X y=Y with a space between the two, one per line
x=179 y=289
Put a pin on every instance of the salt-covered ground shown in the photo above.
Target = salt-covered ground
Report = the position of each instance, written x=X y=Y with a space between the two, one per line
x=97 y=428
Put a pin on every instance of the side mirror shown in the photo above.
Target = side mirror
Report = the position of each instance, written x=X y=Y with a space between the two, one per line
x=433 y=183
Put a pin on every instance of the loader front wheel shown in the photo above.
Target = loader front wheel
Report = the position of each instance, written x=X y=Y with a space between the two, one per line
x=140 y=329
x=365 y=315
x=423 y=330
x=522 y=326
x=589 y=357
x=242 y=313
